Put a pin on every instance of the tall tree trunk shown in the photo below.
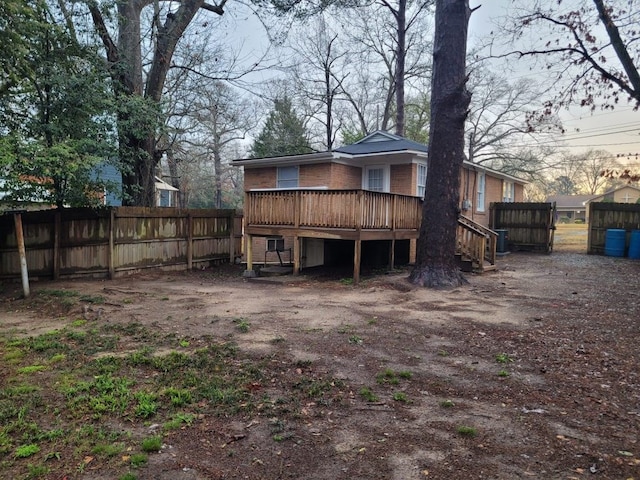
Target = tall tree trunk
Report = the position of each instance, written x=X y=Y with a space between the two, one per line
x=139 y=154
x=401 y=54
x=435 y=262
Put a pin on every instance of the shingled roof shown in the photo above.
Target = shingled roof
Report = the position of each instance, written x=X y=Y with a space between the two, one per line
x=382 y=142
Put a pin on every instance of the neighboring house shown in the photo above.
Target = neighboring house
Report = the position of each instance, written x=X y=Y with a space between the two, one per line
x=624 y=194
x=166 y=195
x=570 y=208
x=369 y=191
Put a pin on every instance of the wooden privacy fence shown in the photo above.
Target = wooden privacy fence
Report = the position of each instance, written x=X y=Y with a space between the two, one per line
x=605 y=215
x=109 y=242
x=530 y=226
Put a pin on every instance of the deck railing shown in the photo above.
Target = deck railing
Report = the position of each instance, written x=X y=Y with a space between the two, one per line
x=476 y=242
x=348 y=209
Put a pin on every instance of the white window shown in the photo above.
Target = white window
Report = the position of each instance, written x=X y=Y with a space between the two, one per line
x=422 y=179
x=287 y=177
x=376 y=178
x=508 y=191
x=481 y=188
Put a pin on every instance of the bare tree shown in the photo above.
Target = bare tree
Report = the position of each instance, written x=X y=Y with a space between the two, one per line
x=318 y=73
x=588 y=46
x=435 y=262
x=594 y=163
x=394 y=51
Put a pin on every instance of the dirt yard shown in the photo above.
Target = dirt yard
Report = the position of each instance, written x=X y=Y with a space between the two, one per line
x=528 y=372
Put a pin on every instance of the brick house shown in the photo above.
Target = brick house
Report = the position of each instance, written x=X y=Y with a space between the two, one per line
x=382 y=178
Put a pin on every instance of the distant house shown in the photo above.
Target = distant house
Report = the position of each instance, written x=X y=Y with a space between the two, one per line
x=624 y=194
x=368 y=191
x=570 y=208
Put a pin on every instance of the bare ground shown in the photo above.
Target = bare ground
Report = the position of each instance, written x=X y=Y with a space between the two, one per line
x=564 y=404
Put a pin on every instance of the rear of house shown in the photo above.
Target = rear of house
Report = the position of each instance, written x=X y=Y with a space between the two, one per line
x=380 y=162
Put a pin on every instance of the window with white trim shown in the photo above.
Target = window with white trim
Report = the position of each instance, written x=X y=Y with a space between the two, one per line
x=375 y=178
x=422 y=180
x=287 y=177
x=481 y=192
x=508 y=191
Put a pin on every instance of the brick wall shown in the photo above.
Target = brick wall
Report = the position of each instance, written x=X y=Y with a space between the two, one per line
x=264 y=177
x=404 y=179
x=345 y=177
x=315 y=175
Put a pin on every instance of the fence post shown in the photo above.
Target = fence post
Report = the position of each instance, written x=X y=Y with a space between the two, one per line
x=112 y=242
x=56 y=245
x=189 y=241
x=232 y=236
x=17 y=219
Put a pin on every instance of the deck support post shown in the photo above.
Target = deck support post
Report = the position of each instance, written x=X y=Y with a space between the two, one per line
x=248 y=248
x=357 y=250
x=392 y=254
x=296 y=255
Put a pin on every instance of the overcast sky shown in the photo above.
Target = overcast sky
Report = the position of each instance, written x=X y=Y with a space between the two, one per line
x=615 y=131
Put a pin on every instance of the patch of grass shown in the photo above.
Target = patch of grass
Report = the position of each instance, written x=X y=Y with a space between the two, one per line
x=443 y=353
x=503 y=358
x=57 y=358
x=372 y=321
x=447 y=404
x=387 y=376
x=178 y=421
x=25 y=451
x=31 y=369
x=400 y=397
x=346 y=281
x=346 y=328
x=58 y=293
x=184 y=343
x=152 y=444
x=466 y=431
x=242 y=324
x=36 y=471
x=355 y=340
x=368 y=395
x=139 y=460
x=79 y=322
x=503 y=373
x=406 y=375
x=13 y=355
x=147 y=405
x=108 y=450
x=128 y=476
x=97 y=299
x=178 y=397
x=317 y=388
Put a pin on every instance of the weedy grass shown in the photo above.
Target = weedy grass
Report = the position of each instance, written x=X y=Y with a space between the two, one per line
x=467 y=431
x=368 y=395
x=99 y=384
x=391 y=377
x=503 y=358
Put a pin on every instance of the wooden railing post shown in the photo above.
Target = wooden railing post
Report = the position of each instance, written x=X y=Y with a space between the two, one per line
x=296 y=209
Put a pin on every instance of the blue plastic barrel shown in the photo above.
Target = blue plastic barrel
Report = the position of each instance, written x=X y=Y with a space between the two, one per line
x=634 y=244
x=614 y=242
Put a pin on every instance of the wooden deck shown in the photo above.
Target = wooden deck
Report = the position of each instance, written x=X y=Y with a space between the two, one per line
x=356 y=215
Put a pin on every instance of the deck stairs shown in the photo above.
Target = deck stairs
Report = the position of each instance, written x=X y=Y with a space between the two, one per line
x=475 y=246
